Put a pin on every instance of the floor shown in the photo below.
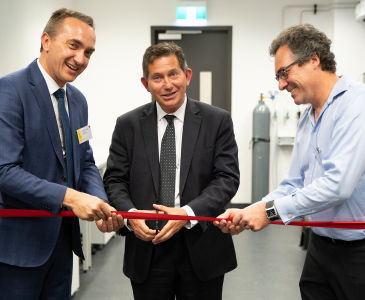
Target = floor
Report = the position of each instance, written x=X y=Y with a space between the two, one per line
x=269 y=267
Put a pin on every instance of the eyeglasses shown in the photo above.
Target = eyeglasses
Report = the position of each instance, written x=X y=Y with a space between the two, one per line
x=282 y=72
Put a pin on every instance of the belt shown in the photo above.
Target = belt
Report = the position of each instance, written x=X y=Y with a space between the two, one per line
x=336 y=241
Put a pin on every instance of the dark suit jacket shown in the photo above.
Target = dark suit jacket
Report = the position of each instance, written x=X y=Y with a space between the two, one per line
x=32 y=168
x=209 y=178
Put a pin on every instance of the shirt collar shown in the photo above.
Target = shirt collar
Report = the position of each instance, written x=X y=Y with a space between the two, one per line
x=51 y=84
x=342 y=85
x=179 y=114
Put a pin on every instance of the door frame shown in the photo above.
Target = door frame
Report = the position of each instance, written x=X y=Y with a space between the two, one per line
x=228 y=29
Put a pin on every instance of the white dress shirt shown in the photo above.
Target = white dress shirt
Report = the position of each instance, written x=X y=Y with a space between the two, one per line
x=178 y=124
x=52 y=88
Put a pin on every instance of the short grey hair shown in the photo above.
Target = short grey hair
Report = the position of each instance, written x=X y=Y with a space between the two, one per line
x=57 y=18
x=304 y=41
x=163 y=50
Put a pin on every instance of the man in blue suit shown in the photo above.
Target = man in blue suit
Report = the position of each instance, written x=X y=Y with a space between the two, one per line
x=43 y=166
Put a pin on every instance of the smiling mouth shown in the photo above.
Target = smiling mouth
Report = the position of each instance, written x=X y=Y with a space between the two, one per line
x=293 y=90
x=169 y=95
x=71 y=67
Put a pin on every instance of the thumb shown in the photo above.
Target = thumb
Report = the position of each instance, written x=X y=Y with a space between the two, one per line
x=225 y=215
x=162 y=208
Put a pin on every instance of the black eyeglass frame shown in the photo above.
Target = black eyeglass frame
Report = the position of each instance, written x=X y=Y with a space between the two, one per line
x=282 y=73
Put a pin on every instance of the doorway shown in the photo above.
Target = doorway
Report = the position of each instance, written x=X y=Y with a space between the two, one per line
x=208 y=52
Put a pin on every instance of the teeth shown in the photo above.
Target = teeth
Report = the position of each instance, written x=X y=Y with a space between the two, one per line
x=73 y=68
x=292 y=90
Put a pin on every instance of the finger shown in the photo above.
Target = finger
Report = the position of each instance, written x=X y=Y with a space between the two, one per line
x=109 y=224
x=237 y=218
x=120 y=221
x=115 y=223
x=167 y=232
x=146 y=236
x=143 y=232
x=101 y=225
x=222 y=224
x=112 y=208
x=105 y=210
x=225 y=215
x=144 y=228
x=161 y=233
x=96 y=218
x=225 y=230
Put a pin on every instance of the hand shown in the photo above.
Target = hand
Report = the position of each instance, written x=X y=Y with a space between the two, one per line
x=141 y=230
x=251 y=218
x=114 y=222
x=172 y=226
x=86 y=207
x=226 y=225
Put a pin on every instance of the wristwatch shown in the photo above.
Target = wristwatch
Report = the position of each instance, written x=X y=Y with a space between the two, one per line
x=271 y=212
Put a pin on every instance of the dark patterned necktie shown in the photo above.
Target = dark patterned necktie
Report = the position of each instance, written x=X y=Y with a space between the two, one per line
x=60 y=95
x=168 y=165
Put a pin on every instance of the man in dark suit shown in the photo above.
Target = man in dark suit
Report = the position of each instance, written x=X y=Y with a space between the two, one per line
x=44 y=166
x=182 y=155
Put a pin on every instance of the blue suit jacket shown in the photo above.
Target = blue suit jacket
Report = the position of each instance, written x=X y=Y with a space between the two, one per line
x=32 y=168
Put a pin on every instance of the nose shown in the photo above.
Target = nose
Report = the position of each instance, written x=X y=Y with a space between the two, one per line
x=282 y=84
x=167 y=84
x=79 y=58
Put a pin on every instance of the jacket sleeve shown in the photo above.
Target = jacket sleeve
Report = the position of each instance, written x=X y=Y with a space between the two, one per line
x=117 y=174
x=92 y=183
x=225 y=176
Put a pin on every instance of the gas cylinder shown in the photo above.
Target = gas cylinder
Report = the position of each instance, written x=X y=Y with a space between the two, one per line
x=260 y=151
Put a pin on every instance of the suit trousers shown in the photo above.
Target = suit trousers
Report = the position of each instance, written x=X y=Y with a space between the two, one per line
x=333 y=270
x=171 y=274
x=50 y=281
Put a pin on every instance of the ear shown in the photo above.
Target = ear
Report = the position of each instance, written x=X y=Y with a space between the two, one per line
x=189 y=74
x=46 y=40
x=315 y=61
x=145 y=83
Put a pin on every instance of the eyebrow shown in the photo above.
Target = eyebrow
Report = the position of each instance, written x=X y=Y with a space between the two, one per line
x=159 y=73
x=81 y=44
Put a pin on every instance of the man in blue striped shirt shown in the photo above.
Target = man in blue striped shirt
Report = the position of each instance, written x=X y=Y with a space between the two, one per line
x=326 y=177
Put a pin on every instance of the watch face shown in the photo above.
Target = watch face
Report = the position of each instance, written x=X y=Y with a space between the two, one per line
x=271 y=213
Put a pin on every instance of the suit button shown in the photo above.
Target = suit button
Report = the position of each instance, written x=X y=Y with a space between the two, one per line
x=64 y=178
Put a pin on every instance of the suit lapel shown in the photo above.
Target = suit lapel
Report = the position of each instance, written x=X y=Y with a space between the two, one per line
x=149 y=129
x=190 y=135
x=75 y=125
x=41 y=93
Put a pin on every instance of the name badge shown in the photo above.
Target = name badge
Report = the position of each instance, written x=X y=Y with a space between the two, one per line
x=84 y=134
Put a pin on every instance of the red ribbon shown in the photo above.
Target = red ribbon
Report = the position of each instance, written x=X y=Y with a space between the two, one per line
x=153 y=216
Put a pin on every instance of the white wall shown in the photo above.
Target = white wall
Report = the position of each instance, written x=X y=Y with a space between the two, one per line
x=112 y=81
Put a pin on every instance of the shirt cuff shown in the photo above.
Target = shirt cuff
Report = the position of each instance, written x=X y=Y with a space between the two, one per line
x=286 y=209
x=126 y=220
x=189 y=211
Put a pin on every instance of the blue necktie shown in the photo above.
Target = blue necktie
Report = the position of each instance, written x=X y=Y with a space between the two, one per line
x=60 y=95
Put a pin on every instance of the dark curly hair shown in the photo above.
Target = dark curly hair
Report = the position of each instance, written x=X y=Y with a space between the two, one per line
x=304 y=41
